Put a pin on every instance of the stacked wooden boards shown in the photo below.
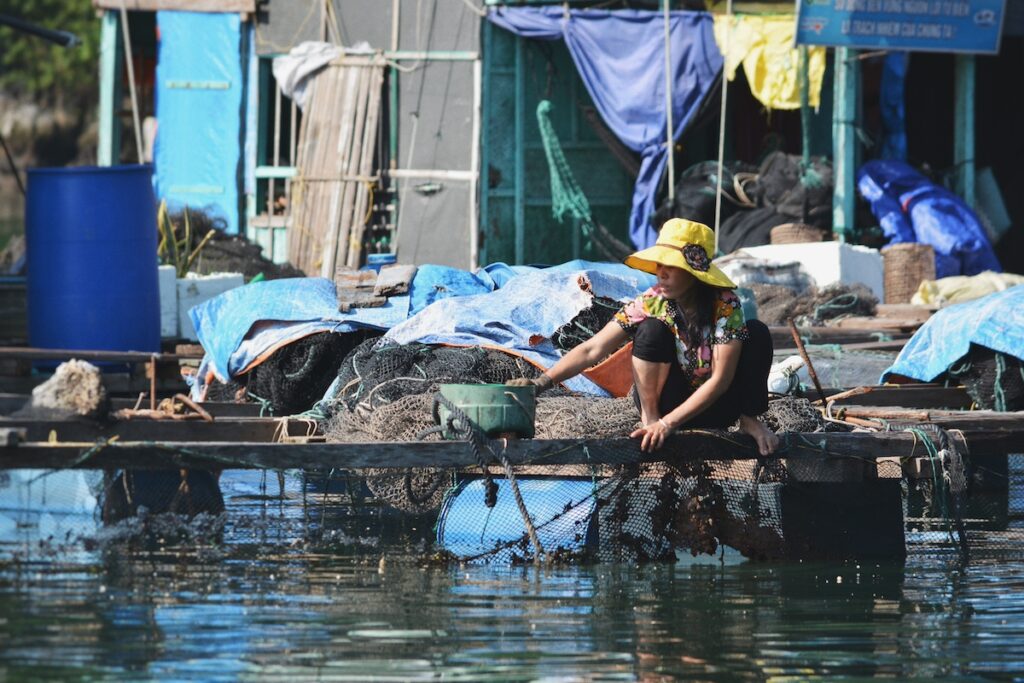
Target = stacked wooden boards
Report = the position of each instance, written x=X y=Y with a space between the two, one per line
x=332 y=191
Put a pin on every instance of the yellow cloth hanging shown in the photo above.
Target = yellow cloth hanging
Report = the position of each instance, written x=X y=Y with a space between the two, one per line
x=764 y=46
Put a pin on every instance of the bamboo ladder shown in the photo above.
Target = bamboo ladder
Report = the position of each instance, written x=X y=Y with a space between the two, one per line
x=332 y=189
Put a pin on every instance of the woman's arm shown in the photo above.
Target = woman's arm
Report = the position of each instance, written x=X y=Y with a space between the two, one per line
x=724 y=359
x=587 y=354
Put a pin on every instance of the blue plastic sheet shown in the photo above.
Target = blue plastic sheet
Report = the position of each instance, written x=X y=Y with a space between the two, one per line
x=242 y=324
x=911 y=208
x=620 y=55
x=433 y=283
x=521 y=316
x=995 y=321
x=894 y=116
x=300 y=306
x=199 y=88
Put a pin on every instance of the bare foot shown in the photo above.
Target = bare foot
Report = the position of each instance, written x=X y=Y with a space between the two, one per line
x=766 y=439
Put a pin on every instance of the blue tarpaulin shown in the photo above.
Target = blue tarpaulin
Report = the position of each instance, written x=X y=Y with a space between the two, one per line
x=270 y=313
x=911 y=208
x=995 y=321
x=620 y=55
x=199 y=88
x=522 y=316
x=894 y=111
x=241 y=325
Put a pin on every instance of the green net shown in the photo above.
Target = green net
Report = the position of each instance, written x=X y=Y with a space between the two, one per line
x=567 y=197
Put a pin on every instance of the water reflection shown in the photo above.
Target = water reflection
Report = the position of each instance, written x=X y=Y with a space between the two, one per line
x=293 y=586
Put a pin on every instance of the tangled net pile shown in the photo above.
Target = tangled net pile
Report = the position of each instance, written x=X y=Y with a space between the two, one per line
x=631 y=511
x=994 y=380
x=777 y=304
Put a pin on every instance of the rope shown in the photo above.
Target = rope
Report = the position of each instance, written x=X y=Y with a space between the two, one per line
x=567 y=198
x=458 y=423
x=948 y=477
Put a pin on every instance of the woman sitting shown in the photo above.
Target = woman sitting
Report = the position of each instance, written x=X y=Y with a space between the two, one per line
x=696 y=361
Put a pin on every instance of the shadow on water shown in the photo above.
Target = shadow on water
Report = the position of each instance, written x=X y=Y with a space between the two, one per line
x=297 y=576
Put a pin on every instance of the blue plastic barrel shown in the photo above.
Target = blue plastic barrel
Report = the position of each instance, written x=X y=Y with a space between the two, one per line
x=562 y=511
x=92 y=265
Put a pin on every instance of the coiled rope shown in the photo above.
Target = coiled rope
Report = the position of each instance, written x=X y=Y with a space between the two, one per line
x=459 y=424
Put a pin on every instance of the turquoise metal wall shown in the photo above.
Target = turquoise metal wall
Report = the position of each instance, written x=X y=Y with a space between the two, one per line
x=516 y=221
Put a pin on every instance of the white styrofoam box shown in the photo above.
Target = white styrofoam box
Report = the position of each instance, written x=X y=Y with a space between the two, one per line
x=195 y=289
x=168 y=301
x=829 y=262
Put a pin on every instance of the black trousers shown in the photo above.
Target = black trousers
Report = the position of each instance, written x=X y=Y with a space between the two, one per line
x=748 y=393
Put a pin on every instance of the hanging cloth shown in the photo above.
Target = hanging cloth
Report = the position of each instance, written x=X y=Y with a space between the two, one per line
x=764 y=47
x=620 y=56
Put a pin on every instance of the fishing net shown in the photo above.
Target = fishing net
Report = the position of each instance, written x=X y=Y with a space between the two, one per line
x=567 y=197
x=296 y=375
x=777 y=304
x=377 y=374
x=586 y=323
x=994 y=380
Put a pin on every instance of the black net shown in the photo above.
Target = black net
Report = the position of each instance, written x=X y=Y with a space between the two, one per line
x=777 y=304
x=296 y=376
x=994 y=380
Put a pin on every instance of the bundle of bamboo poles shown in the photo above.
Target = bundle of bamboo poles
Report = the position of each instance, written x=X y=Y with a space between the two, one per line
x=333 y=186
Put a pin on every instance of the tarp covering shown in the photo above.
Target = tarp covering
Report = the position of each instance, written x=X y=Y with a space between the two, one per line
x=199 y=89
x=620 y=56
x=995 y=321
x=893 y=107
x=911 y=208
x=520 y=317
x=244 y=324
x=306 y=305
x=764 y=46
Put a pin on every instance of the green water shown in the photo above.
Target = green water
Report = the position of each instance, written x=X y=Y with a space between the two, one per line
x=256 y=600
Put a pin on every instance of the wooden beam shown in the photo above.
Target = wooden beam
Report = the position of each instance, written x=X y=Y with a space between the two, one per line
x=963 y=130
x=928 y=396
x=688 y=445
x=108 y=149
x=248 y=430
x=240 y=6
x=781 y=336
x=30 y=353
x=846 y=98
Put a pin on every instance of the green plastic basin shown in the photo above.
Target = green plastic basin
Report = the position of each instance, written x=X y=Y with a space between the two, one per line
x=495 y=408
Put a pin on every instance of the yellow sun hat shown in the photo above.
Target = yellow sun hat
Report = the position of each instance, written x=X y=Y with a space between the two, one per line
x=683 y=244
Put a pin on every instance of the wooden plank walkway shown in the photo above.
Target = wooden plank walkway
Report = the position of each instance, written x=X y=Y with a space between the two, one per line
x=686 y=445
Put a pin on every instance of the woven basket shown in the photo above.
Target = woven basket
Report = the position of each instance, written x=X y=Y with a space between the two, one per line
x=907 y=264
x=792 y=233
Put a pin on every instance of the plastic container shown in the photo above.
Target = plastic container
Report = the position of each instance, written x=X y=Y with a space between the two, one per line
x=92 y=263
x=378 y=261
x=495 y=408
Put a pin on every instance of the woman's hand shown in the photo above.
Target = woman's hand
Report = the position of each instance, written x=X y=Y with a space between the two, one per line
x=542 y=382
x=652 y=435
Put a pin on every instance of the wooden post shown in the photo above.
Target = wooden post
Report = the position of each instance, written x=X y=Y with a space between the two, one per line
x=483 y=186
x=152 y=382
x=963 y=146
x=844 y=140
x=474 y=167
x=520 y=144
x=109 y=146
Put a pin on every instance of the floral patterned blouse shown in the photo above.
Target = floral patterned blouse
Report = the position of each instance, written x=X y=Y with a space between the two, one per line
x=729 y=324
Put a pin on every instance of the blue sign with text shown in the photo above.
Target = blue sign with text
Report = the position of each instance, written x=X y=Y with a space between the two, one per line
x=930 y=25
